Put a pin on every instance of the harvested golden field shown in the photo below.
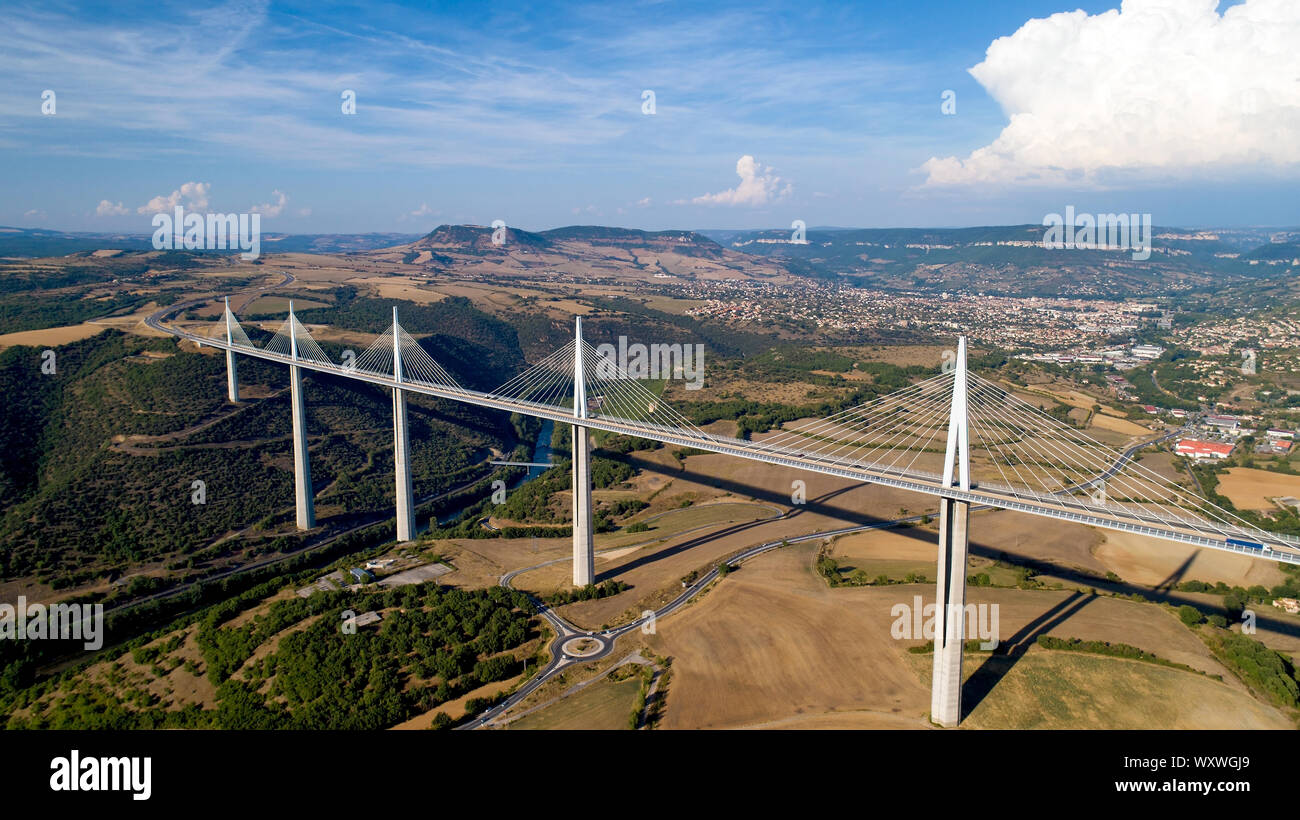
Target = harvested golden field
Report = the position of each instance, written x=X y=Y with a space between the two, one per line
x=1141 y=559
x=409 y=292
x=1070 y=690
x=1023 y=537
x=51 y=336
x=773 y=646
x=65 y=334
x=893 y=552
x=1076 y=398
x=898 y=544
x=772 y=642
x=1251 y=489
x=1105 y=421
x=1023 y=614
x=455 y=709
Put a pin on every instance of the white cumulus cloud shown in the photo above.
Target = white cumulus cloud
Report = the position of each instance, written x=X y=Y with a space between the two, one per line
x=192 y=195
x=758 y=186
x=106 y=208
x=1158 y=87
x=269 y=209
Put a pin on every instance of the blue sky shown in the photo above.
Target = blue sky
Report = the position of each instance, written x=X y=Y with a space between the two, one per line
x=534 y=113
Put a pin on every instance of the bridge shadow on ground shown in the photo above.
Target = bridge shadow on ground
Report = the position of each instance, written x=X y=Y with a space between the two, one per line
x=999 y=663
x=707 y=537
x=1168 y=584
x=1162 y=593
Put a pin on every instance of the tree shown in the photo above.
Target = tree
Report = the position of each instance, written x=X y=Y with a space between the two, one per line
x=1190 y=615
x=441 y=721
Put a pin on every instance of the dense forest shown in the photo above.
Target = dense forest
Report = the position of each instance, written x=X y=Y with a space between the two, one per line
x=104 y=502
x=432 y=645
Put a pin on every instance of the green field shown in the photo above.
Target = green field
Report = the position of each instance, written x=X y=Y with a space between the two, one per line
x=279 y=304
x=602 y=705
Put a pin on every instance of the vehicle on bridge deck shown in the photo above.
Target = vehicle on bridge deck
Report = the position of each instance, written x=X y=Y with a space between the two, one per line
x=1250 y=545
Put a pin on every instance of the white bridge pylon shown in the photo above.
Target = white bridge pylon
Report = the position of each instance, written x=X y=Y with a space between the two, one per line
x=957 y=436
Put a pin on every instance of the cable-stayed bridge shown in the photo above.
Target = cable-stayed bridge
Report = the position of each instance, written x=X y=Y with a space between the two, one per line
x=956 y=436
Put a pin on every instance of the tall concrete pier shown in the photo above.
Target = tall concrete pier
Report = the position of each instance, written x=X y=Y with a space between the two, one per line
x=232 y=376
x=950 y=587
x=401 y=445
x=949 y=612
x=306 y=506
x=584 y=561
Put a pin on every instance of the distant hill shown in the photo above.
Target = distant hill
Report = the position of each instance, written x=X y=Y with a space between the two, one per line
x=331 y=242
x=1011 y=259
x=1276 y=250
x=999 y=259
x=587 y=252
x=688 y=242
x=30 y=242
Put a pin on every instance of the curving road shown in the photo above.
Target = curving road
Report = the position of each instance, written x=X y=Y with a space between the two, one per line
x=566 y=632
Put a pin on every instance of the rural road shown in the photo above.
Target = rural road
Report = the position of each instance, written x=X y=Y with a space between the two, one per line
x=566 y=632
x=154 y=320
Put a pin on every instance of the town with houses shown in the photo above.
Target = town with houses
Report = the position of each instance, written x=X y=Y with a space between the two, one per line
x=1002 y=321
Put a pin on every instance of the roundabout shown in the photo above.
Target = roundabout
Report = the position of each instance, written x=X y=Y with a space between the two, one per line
x=583 y=646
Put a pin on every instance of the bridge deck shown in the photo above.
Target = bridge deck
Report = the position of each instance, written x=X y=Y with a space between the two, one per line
x=1061 y=506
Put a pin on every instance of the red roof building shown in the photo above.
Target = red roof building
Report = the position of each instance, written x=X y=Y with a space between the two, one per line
x=1195 y=448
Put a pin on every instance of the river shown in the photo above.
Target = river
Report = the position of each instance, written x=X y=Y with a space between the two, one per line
x=541 y=455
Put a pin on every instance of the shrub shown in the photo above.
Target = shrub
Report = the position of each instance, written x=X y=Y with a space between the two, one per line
x=1190 y=615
